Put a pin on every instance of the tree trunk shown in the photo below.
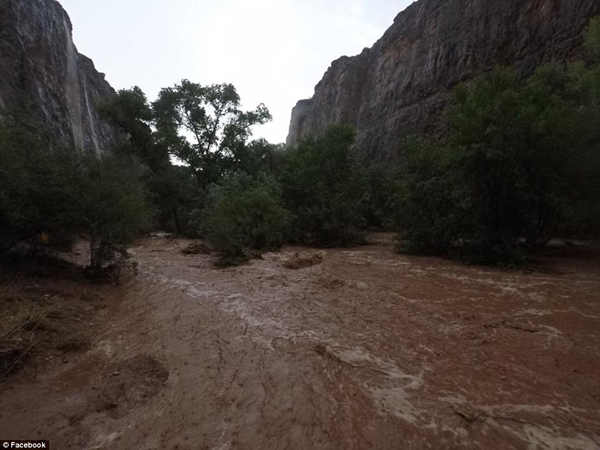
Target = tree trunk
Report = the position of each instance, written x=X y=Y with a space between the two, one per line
x=177 y=223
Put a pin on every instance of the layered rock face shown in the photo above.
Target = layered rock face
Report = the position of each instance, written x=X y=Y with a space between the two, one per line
x=44 y=79
x=402 y=84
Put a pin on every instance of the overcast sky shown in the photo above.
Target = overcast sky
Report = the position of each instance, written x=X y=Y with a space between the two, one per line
x=273 y=51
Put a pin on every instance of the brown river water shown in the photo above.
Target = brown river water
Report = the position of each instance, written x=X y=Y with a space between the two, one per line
x=366 y=349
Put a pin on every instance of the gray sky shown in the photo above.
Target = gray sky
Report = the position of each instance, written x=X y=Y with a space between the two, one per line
x=273 y=51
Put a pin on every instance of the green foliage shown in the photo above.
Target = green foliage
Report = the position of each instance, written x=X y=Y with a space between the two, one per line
x=203 y=126
x=175 y=194
x=111 y=206
x=244 y=217
x=592 y=40
x=426 y=208
x=520 y=165
x=51 y=195
x=378 y=205
x=324 y=188
x=35 y=191
x=258 y=157
x=172 y=188
x=130 y=111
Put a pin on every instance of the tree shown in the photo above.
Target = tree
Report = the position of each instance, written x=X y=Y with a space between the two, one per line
x=592 y=40
x=111 y=206
x=519 y=167
x=427 y=210
x=524 y=146
x=36 y=191
x=244 y=217
x=49 y=195
x=171 y=187
x=258 y=157
x=175 y=193
x=324 y=187
x=130 y=111
x=379 y=207
x=203 y=126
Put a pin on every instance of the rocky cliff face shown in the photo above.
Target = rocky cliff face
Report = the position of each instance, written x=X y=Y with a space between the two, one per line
x=402 y=84
x=45 y=79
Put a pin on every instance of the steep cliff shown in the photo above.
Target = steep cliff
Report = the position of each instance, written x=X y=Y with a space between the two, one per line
x=45 y=80
x=402 y=84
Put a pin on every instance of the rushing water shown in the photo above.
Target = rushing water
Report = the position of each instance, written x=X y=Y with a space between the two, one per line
x=368 y=349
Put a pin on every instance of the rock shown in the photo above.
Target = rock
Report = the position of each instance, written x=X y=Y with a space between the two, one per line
x=467 y=412
x=45 y=81
x=402 y=84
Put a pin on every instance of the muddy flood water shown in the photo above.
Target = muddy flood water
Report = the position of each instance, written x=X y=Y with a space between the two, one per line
x=364 y=349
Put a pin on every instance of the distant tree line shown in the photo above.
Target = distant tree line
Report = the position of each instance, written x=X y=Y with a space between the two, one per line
x=519 y=166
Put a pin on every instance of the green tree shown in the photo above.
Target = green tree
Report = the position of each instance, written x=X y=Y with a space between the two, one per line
x=175 y=193
x=244 y=217
x=132 y=113
x=427 y=210
x=379 y=205
x=171 y=187
x=204 y=125
x=523 y=146
x=592 y=40
x=324 y=189
x=50 y=195
x=520 y=166
x=36 y=191
x=111 y=206
x=258 y=157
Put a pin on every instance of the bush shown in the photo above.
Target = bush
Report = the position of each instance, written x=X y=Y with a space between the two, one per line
x=519 y=167
x=426 y=210
x=50 y=195
x=592 y=40
x=324 y=188
x=244 y=217
x=379 y=205
x=36 y=192
x=174 y=193
x=111 y=207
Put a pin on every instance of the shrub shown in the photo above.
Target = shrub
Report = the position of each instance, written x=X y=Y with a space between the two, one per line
x=592 y=40
x=36 y=192
x=519 y=167
x=324 y=187
x=244 y=217
x=379 y=205
x=426 y=210
x=174 y=193
x=111 y=207
x=50 y=195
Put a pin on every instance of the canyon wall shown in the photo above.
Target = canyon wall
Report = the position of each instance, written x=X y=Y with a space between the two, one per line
x=45 y=81
x=402 y=84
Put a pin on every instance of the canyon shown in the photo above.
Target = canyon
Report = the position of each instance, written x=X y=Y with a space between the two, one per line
x=45 y=83
x=403 y=84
